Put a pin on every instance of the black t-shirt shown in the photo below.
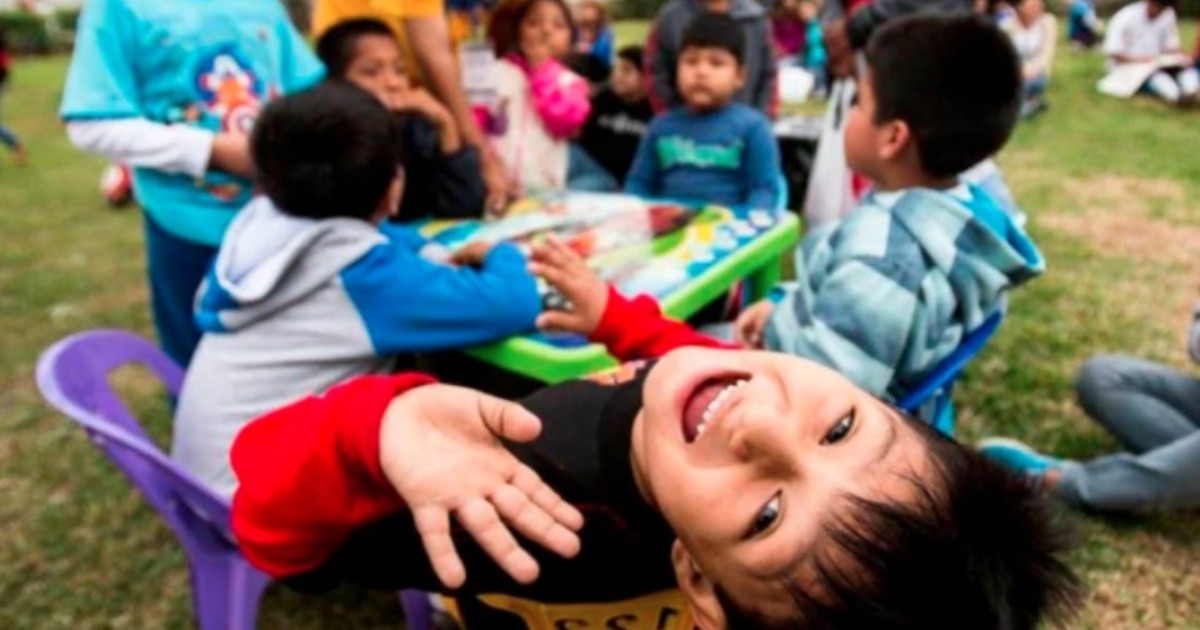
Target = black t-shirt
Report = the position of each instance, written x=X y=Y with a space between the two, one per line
x=583 y=453
x=613 y=131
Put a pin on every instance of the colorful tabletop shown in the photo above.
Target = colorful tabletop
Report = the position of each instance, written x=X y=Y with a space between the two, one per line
x=684 y=256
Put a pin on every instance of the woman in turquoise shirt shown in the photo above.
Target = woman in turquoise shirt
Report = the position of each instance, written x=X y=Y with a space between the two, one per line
x=172 y=88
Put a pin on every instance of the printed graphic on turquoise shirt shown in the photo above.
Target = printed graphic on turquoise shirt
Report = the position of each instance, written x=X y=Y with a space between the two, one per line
x=231 y=97
x=680 y=151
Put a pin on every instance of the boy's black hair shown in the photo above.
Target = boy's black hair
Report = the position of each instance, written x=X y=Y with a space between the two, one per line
x=1166 y=4
x=332 y=151
x=980 y=548
x=714 y=30
x=956 y=82
x=632 y=54
x=336 y=47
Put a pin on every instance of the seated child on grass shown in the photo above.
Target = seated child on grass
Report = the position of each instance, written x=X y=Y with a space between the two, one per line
x=892 y=289
x=709 y=149
x=311 y=285
x=1146 y=32
x=620 y=114
x=769 y=490
x=443 y=174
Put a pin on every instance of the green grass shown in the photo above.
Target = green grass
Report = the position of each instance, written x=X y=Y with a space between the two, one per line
x=1112 y=189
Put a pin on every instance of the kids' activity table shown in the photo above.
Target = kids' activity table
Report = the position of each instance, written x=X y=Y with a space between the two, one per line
x=687 y=269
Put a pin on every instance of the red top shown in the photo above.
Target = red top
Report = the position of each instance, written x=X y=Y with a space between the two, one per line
x=309 y=473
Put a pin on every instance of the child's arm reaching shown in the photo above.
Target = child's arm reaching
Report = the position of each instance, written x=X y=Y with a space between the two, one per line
x=409 y=304
x=314 y=471
x=630 y=329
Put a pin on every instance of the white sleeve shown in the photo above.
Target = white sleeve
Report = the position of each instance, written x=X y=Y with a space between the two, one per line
x=1114 y=36
x=1171 y=33
x=145 y=144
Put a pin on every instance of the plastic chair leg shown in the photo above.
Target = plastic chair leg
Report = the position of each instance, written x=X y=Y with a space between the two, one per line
x=226 y=592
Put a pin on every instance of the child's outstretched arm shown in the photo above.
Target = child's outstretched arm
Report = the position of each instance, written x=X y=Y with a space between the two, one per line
x=314 y=471
x=409 y=304
x=629 y=329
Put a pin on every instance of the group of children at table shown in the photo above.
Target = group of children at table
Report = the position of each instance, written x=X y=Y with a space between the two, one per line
x=311 y=285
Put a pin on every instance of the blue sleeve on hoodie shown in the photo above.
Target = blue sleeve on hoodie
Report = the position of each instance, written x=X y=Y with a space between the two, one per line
x=403 y=236
x=762 y=166
x=409 y=304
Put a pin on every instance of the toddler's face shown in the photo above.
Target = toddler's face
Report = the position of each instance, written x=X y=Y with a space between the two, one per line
x=708 y=77
x=627 y=80
x=749 y=455
x=545 y=32
x=378 y=68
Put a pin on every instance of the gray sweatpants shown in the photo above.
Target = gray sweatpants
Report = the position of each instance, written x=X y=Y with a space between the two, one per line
x=1155 y=412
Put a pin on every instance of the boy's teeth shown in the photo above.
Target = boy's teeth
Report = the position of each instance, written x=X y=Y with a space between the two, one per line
x=716 y=404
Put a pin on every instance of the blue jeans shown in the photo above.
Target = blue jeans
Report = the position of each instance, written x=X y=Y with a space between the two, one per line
x=1155 y=412
x=585 y=174
x=175 y=268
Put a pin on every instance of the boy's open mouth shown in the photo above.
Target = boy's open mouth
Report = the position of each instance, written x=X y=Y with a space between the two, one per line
x=706 y=399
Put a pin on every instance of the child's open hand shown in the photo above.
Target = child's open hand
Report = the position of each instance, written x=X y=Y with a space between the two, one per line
x=748 y=329
x=440 y=449
x=471 y=254
x=569 y=274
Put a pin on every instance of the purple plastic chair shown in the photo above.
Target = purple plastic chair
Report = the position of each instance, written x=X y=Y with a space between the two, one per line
x=73 y=377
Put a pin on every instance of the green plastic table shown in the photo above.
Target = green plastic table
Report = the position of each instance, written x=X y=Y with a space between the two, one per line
x=758 y=262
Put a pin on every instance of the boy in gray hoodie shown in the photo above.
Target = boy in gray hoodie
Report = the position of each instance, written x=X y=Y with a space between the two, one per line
x=311 y=286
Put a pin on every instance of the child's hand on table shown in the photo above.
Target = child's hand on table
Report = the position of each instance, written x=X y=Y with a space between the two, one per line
x=440 y=449
x=568 y=273
x=471 y=254
x=748 y=329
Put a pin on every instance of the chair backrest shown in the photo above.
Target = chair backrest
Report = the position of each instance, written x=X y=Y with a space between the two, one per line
x=73 y=376
x=941 y=377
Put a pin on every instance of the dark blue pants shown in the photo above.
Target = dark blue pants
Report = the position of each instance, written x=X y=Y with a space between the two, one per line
x=175 y=268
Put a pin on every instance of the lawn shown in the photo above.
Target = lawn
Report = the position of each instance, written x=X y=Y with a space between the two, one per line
x=1113 y=193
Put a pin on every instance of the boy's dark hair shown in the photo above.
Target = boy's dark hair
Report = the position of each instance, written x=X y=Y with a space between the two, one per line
x=1166 y=4
x=332 y=151
x=956 y=82
x=980 y=548
x=714 y=30
x=632 y=54
x=504 y=25
x=336 y=46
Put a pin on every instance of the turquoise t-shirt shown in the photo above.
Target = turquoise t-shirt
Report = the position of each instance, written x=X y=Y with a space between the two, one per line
x=212 y=65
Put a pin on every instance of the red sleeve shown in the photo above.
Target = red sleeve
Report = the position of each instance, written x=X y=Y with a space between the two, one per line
x=636 y=329
x=309 y=474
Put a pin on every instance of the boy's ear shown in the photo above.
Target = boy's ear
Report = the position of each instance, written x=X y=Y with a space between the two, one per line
x=741 y=75
x=391 y=201
x=895 y=138
x=698 y=589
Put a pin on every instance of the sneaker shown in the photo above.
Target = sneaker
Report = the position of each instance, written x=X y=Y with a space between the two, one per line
x=1017 y=456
